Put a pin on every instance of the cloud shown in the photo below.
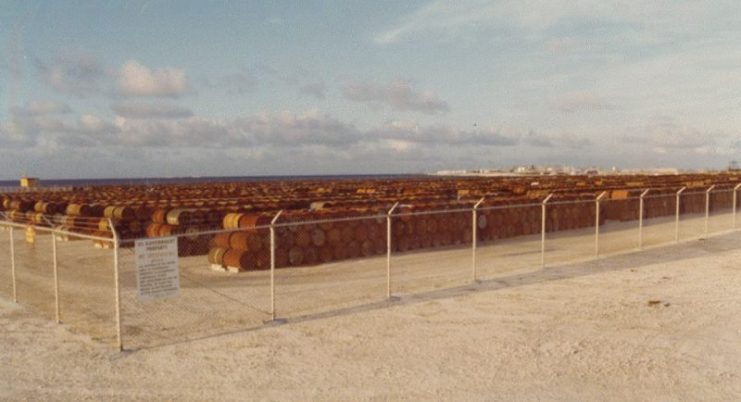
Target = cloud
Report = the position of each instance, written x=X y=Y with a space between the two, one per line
x=149 y=125
x=644 y=22
x=189 y=132
x=43 y=107
x=78 y=74
x=663 y=134
x=411 y=132
x=400 y=95
x=48 y=123
x=581 y=101
x=562 y=141
x=27 y=122
x=536 y=139
x=292 y=129
x=315 y=89
x=136 y=79
x=139 y=110
x=238 y=83
x=436 y=16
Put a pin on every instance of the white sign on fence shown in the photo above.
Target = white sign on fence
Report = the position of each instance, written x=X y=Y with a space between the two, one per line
x=157 y=268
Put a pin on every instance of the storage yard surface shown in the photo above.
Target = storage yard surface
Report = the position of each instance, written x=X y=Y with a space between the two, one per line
x=575 y=332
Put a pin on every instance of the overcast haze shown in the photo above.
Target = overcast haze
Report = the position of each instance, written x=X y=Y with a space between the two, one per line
x=118 y=89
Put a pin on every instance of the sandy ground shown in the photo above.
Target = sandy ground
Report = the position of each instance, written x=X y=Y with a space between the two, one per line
x=579 y=331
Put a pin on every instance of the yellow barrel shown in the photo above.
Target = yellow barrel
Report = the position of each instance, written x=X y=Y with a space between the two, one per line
x=30 y=235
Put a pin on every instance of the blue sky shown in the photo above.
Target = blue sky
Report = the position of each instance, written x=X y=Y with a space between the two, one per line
x=173 y=88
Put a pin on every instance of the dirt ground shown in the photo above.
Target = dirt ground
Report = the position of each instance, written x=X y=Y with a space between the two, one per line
x=662 y=324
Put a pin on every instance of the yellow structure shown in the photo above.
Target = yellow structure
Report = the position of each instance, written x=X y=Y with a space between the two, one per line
x=30 y=235
x=28 y=182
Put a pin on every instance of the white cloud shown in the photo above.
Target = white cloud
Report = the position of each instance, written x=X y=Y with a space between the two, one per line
x=581 y=101
x=149 y=110
x=27 y=122
x=663 y=134
x=291 y=129
x=190 y=132
x=238 y=83
x=643 y=21
x=315 y=89
x=442 y=135
x=74 y=73
x=44 y=123
x=555 y=141
x=298 y=131
x=43 y=107
x=139 y=80
x=400 y=95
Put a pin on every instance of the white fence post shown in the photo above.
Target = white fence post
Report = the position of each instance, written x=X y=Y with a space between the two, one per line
x=116 y=244
x=596 y=222
x=676 y=226
x=475 y=235
x=12 y=265
x=640 y=218
x=707 y=209
x=542 y=230
x=272 y=264
x=388 y=250
x=735 y=201
x=56 y=276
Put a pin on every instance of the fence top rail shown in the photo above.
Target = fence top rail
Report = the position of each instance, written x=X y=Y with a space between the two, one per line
x=703 y=192
x=53 y=230
x=567 y=202
x=491 y=207
x=433 y=212
x=671 y=196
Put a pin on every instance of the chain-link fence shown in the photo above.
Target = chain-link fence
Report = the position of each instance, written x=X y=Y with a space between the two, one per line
x=62 y=272
x=720 y=214
x=509 y=240
x=658 y=224
x=256 y=269
x=6 y=269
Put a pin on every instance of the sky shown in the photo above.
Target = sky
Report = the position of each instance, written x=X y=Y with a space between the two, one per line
x=103 y=89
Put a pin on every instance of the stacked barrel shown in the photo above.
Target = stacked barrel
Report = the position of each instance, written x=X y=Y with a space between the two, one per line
x=186 y=223
x=301 y=238
x=246 y=246
x=507 y=221
x=194 y=212
x=416 y=228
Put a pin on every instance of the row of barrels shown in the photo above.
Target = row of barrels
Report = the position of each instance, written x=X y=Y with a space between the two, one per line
x=339 y=190
x=248 y=243
x=329 y=238
x=163 y=210
x=665 y=205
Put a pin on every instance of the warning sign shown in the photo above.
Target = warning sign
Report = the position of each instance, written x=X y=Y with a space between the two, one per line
x=157 y=268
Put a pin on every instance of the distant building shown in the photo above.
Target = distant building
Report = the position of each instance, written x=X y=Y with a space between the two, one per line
x=30 y=182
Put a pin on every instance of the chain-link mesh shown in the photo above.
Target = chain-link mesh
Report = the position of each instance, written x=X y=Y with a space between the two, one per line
x=326 y=260
x=691 y=214
x=6 y=274
x=210 y=302
x=329 y=265
x=509 y=240
x=430 y=250
x=86 y=286
x=570 y=231
x=34 y=270
x=619 y=231
x=659 y=214
x=721 y=211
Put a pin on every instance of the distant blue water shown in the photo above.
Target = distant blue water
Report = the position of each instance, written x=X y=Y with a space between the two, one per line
x=188 y=180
